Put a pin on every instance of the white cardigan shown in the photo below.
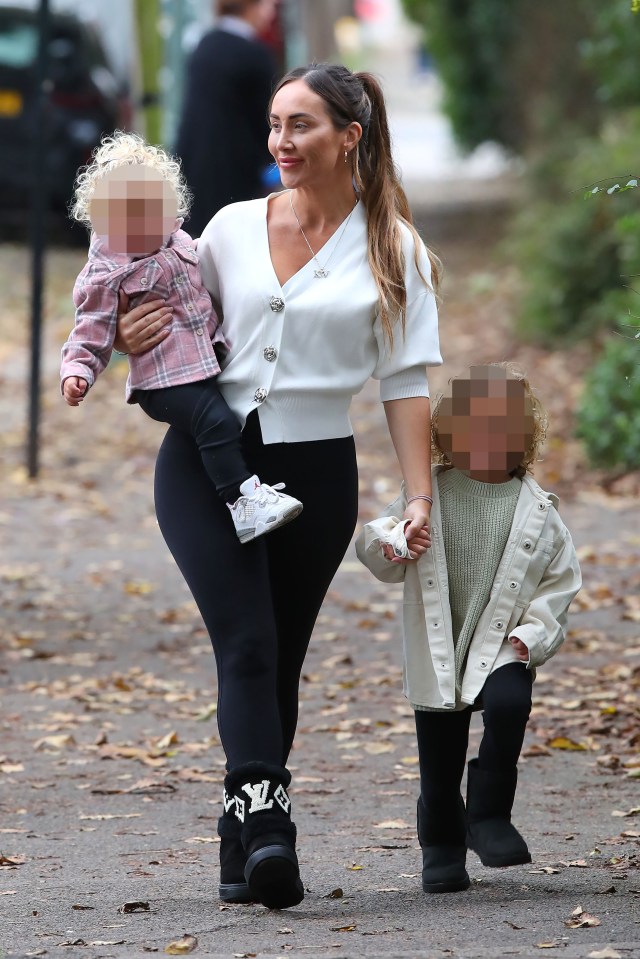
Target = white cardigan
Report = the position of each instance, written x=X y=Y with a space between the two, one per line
x=300 y=352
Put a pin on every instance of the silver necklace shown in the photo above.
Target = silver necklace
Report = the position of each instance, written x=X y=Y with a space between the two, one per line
x=322 y=272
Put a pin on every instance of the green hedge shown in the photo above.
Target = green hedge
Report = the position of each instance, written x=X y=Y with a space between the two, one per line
x=609 y=412
x=577 y=255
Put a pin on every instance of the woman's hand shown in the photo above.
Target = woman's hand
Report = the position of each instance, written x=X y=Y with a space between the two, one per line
x=142 y=328
x=418 y=513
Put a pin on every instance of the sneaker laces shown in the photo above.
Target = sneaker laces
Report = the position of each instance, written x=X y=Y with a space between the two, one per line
x=269 y=494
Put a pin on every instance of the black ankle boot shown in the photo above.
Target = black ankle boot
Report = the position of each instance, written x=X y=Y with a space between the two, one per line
x=233 y=886
x=268 y=836
x=444 y=853
x=490 y=832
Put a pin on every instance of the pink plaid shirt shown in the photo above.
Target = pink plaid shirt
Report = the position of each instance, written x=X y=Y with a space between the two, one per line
x=171 y=274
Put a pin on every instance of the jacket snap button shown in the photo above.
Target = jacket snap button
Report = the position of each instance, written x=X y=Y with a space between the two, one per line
x=527 y=544
x=483 y=664
x=513 y=584
x=277 y=304
x=429 y=582
x=199 y=332
x=144 y=281
x=435 y=625
x=270 y=354
x=499 y=624
x=542 y=505
x=260 y=395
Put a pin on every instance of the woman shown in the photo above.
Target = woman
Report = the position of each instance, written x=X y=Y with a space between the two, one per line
x=319 y=287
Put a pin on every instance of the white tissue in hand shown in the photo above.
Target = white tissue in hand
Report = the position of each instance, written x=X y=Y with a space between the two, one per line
x=397 y=540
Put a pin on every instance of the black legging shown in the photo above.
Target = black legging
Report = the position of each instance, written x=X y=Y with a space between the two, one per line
x=259 y=600
x=443 y=737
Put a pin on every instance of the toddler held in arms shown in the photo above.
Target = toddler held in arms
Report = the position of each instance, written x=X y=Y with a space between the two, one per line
x=134 y=198
x=484 y=606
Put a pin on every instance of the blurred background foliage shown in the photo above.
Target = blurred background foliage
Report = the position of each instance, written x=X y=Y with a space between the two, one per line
x=557 y=84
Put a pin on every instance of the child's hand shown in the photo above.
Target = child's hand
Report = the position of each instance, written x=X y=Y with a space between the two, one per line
x=417 y=545
x=74 y=389
x=520 y=649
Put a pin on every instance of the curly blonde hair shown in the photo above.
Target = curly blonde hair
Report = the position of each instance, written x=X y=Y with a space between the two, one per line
x=126 y=149
x=533 y=408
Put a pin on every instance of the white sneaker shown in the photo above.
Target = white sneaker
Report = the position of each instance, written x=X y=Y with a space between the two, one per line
x=262 y=508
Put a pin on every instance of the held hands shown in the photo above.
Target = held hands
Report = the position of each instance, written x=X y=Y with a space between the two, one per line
x=74 y=390
x=417 y=533
x=520 y=649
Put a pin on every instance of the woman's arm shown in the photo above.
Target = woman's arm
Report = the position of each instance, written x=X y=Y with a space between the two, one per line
x=145 y=326
x=409 y=423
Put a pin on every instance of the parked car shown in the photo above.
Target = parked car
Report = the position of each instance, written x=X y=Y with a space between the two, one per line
x=84 y=100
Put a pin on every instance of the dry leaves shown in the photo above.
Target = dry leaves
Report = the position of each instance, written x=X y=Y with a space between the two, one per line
x=580 y=919
x=180 y=947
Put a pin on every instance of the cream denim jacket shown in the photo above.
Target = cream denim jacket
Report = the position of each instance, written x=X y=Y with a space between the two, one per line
x=536 y=580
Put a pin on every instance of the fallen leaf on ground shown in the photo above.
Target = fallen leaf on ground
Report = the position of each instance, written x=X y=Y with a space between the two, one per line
x=562 y=742
x=580 y=919
x=391 y=824
x=607 y=953
x=112 y=815
x=376 y=749
x=180 y=947
x=136 y=906
x=54 y=742
x=343 y=928
x=11 y=862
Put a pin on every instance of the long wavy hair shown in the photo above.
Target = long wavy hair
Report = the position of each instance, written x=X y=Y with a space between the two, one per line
x=358 y=97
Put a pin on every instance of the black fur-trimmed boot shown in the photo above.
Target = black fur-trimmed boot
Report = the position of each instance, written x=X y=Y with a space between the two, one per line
x=490 y=832
x=268 y=836
x=233 y=886
x=444 y=853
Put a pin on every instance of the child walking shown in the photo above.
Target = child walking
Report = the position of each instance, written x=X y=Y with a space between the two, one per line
x=484 y=606
x=134 y=198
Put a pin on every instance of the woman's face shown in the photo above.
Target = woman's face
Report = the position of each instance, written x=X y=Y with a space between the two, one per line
x=306 y=146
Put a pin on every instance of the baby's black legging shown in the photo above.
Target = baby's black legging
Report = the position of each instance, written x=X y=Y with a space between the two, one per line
x=259 y=600
x=443 y=738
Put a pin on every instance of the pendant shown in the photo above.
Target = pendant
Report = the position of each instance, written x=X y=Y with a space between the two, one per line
x=321 y=273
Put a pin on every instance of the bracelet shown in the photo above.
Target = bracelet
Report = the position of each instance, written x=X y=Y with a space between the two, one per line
x=423 y=496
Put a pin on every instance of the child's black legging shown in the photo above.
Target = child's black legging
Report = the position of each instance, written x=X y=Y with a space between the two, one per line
x=443 y=737
x=259 y=600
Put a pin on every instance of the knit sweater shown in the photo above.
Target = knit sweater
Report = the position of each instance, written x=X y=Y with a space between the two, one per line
x=299 y=352
x=476 y=522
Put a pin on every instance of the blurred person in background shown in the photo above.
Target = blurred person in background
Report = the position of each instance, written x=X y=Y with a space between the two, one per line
x=223 y=128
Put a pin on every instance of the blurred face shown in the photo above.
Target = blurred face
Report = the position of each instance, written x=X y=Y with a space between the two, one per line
x=304 y=142
x=486 y=425
x=133 y=210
